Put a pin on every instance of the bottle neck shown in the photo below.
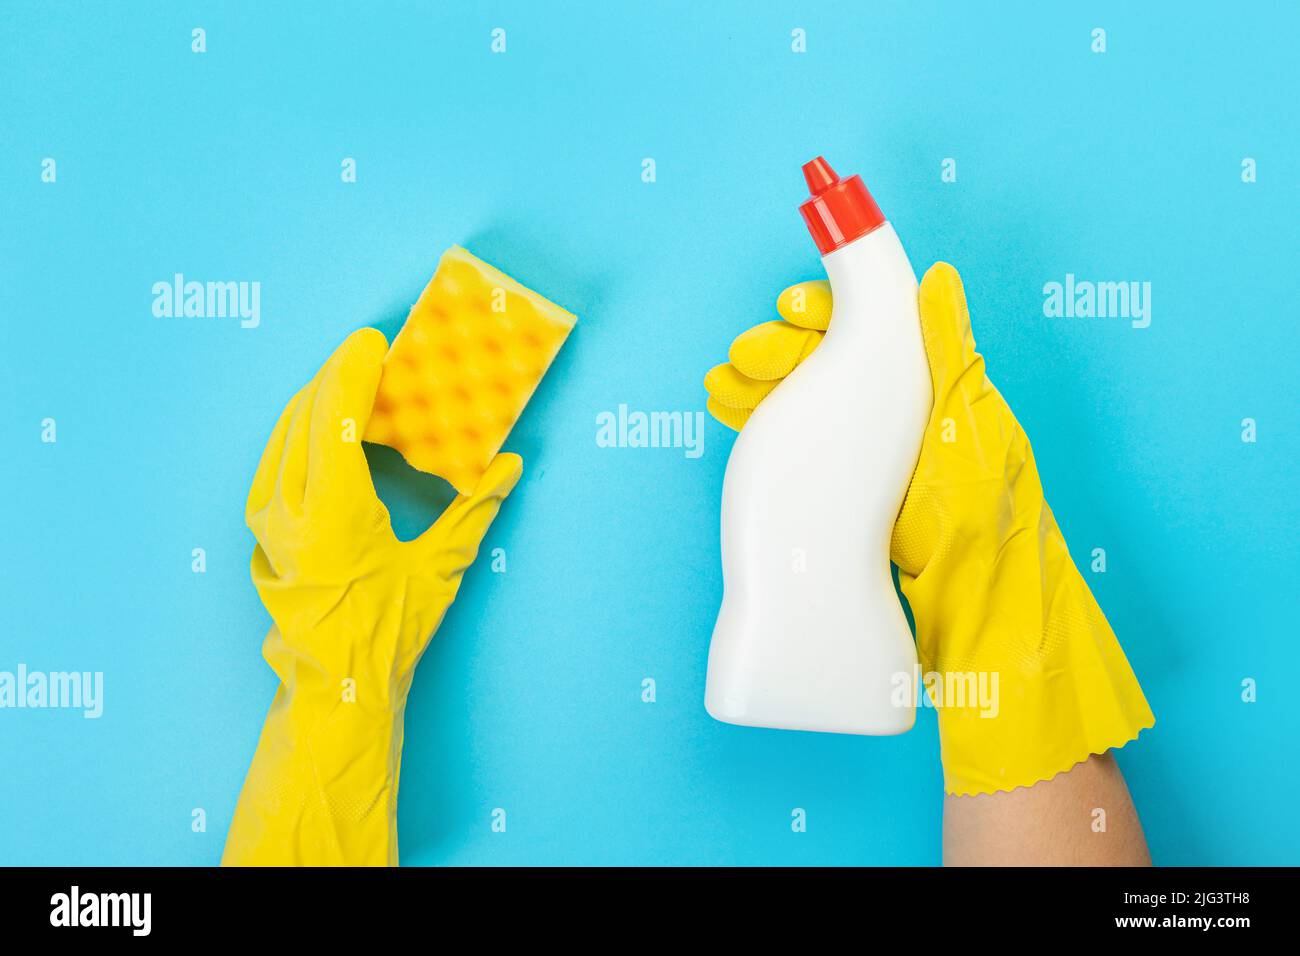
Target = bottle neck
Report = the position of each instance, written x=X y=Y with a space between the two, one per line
x=870 y=277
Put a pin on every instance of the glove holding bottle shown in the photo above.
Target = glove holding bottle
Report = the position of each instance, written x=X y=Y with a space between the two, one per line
x=981 y=559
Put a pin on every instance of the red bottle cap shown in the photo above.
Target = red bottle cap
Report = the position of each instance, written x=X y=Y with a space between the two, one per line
x=840 y=210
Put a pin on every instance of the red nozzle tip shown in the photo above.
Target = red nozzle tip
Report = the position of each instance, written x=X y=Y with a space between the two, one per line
x=819 y=175
x=840 y=210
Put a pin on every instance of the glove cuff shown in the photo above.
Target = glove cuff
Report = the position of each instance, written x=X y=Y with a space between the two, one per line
x=1049 y=713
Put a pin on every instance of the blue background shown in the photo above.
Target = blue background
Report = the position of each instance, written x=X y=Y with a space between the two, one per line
x=1120 y=166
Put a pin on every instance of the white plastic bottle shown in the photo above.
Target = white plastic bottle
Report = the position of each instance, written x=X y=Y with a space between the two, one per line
x=810 y=635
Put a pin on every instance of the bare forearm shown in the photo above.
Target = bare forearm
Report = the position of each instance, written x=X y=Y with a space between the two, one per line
x=1084 y=817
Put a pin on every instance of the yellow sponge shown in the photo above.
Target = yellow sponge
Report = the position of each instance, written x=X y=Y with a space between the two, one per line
x=463 y=367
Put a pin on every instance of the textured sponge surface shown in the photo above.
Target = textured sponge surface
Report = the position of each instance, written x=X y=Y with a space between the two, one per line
x=464 y=365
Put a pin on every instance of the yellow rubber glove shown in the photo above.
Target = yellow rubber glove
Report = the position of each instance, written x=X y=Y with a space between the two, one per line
x=981 y=560
x=354 y=609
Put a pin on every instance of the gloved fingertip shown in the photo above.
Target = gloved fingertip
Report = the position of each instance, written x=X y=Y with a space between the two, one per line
x=946 y=324
x=807 y=304
x=786 y=298
x=942 y=284
x=715 y=377
x=368 y=344
x=361 y=354
x=941 y=270
x=500 y=477
x=768 y=351
x=727 y=385
x=733 y=418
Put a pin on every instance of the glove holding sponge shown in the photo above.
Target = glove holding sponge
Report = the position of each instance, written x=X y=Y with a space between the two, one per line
x=353 y=607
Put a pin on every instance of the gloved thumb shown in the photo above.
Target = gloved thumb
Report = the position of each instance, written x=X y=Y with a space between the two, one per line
x=945 y=325
x=349 y=379
x=452 y=544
